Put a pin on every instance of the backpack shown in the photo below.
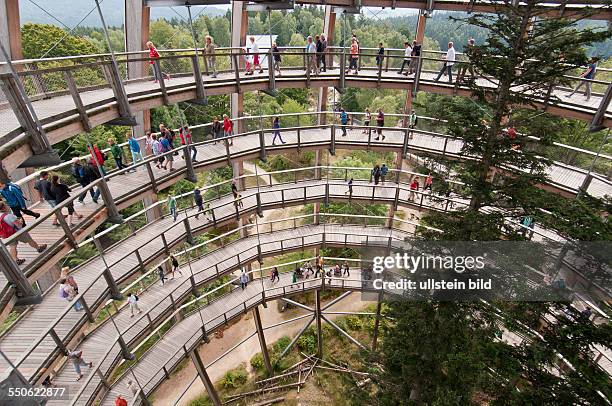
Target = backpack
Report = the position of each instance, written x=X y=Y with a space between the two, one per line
x=6 y=230
x=62 y=292
x=136 y=297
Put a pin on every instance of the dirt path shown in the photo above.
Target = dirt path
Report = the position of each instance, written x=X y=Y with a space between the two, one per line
x=169 y=391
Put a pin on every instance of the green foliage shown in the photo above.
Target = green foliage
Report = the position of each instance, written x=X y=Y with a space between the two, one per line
x=307 y=343
x=257 y=362
x=234 y=378
x=37 y=39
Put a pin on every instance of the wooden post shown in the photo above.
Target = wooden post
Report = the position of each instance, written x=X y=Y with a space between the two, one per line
x=76 y=97
x=262 y=340
x=112 y=214
x=201 y=369
x=23 y=289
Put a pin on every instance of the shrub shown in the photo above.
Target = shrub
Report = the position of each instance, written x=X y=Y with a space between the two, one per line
x=354 y=323
x=307 y=343
x=234 y=378
x=257 y=362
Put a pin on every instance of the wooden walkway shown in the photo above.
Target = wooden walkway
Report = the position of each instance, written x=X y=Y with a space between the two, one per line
x=59 y=112
x=126 y=188
x=156 y=302
x=123 y=262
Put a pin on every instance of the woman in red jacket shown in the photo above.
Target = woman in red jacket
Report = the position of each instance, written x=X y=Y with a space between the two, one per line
x=228 y=128
x=153 y=54
x=98 y=157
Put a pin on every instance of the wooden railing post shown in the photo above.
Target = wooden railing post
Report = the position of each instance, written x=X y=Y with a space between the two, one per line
x=236 y=71
x=197 y=74
x=271 y=73
x=76 y=97
x=67 y=231
x=112 y=212
x=151 y=177
x=123 y=105
x=162 y=82
x=596 y=124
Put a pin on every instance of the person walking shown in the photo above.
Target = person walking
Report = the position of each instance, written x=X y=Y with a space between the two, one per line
x=175 y=266
x=380 y=56
x=185 y=136
x=149 y=143
x=383 y=173
x=367 y=118
x=343 y=121
x=165 y=146
x=217 y=129
x=276 y=56
x=11 y=224
x=380 y=123
x=98 y=158
x=68 y=293
x=415 y=56
x=13 y=196
x=319 y=49
x=449 y=61
x=407 y=59
x=228 y=129
x=117 y=153
x=323 y=53
x=172 y=207
x=345 y=269
x=61 y=191
x=157 y=151
x=64 y=274
x=414 y=188
x=198 y=201
x=120 y=401
x=253 y=50
x=209 y=54
x=350 y=188
x=587 y=76
x=275 y=275
x=319 y=263
x=244 y=280
x=234 y=188
x=412 y=119
x=76 y=357
x=376 y=174
x=238 y=201
x=135 y=148
x=428 y=183
x=79 y=174
x=132 y=301
x=277 y=133
x=162 y=274
x=43 y=187
x=465 y=65
x=311 y=56
x=92 y=173
x=154 y=56
x=354 y=57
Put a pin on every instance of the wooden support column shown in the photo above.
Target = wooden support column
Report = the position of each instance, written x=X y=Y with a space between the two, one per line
x=420 y=31
x=393 y=207
x=240 y=22
x=156 y=212
x=10 y=29
x=262 y=340
x=201 y=369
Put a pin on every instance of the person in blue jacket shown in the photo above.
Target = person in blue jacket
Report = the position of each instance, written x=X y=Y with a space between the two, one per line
x=343 y=121
x=383 y=172
x=13 y=196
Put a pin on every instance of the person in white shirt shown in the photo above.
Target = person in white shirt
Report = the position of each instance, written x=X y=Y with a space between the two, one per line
x=406 y=62
x=311 y=50
x=133 y=304
x=448 y=63
x=253 y=50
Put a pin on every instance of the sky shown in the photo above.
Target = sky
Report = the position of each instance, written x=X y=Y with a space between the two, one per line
x=83 y=12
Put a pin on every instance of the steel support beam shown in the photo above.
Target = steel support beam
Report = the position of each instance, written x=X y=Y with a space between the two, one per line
x=344 y=333
x=262 y=340
x=292 y=343
x=318 y=316
x=24 y=291
x=377 y=320
x=240 y=22
x=201 y=369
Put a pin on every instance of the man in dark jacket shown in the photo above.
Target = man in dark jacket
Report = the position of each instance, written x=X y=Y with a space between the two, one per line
x=91 y=174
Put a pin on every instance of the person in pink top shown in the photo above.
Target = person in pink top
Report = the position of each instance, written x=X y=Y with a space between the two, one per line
x=153 y=54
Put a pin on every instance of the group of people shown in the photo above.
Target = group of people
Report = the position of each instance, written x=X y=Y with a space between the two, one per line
x=380 y=122
x=307 y=270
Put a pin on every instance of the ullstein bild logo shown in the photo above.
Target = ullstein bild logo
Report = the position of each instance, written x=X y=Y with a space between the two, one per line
x=405 y=263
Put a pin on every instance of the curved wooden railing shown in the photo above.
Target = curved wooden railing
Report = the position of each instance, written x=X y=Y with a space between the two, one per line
x=90 y=96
